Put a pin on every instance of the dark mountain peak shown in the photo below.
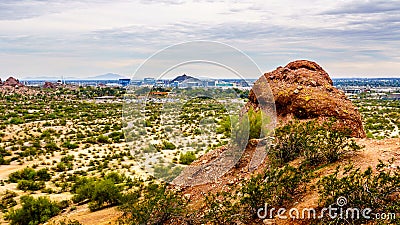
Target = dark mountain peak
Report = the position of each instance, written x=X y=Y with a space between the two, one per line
x=183 y=78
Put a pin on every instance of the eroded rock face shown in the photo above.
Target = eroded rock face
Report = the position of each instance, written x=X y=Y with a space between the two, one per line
x=303 y=90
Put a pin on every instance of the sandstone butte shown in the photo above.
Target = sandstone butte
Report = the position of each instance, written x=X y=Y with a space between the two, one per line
x=12 y=82
x=303 y=90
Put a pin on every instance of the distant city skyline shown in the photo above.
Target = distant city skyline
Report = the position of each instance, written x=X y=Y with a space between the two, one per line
x=83 y=39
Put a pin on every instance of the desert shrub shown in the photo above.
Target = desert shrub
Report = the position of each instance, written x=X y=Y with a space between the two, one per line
x=69 y=145
x=117 y=178
x=224 y=126
x=103 y=139
x=275 y=187
x=316 y=143
x=3 y=153
x=51 y=147
x=257 y=121
x=4 y=161
x=43 y=174
x=222 y=208
x=104 y=192
x=29 y=174
x=379 y=191
x=16 y=120
x=30 y=185
x=67 y=158
x=168 y=145
x=251 y=126
x=91 y=140
x=33 y=211
x=65 y=222
x=62 y=166
x=117 y=136
x=7 y=200
x=187 y=158
x=99 y=193
x=152 y=204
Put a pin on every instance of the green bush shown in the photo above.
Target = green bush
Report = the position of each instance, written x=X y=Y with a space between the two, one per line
x=168 y=145
x=7 y=200
x=69 y=145
x=33 y=211
x=316 y=143
x=104 y=192
x=43 y=174
x=3 y=153
x=3 y=161
x=275 y=187
x=29 y=174
x=99 y=193
x=222 y=208
x=51 y=147
x=117 y=178
x=16 y=120
x=257 y=123
x=187 y=158
x=30 y=185
x=103 y=139
x=152 y=204
x=252 y=125
x=379 y=191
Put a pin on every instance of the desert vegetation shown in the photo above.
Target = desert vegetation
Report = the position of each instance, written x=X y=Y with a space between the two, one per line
x=61 y=150
x=381 y=117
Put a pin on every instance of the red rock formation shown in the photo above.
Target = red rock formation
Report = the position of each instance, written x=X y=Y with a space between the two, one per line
x=303 y=90
x=12 y=82
x=50 y=85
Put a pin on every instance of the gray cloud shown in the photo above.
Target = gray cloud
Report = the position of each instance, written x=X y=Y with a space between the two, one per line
x=24 y=9
x=366 y=7
x=361 y=31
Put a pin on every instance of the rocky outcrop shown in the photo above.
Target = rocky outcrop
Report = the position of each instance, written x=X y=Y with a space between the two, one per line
x=303 y=90
x=12 y=82
x=49 y=85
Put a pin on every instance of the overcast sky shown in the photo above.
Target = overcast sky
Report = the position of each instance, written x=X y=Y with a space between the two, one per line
x=86 y=38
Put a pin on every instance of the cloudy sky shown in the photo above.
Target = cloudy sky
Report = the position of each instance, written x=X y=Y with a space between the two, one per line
x=85 y=38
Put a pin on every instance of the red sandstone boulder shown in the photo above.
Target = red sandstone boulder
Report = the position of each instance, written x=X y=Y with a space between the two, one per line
x=303 y=90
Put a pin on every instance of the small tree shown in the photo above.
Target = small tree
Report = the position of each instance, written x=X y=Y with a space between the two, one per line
x=33 y=211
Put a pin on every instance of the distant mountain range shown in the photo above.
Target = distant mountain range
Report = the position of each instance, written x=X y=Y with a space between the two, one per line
x=107 y=76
